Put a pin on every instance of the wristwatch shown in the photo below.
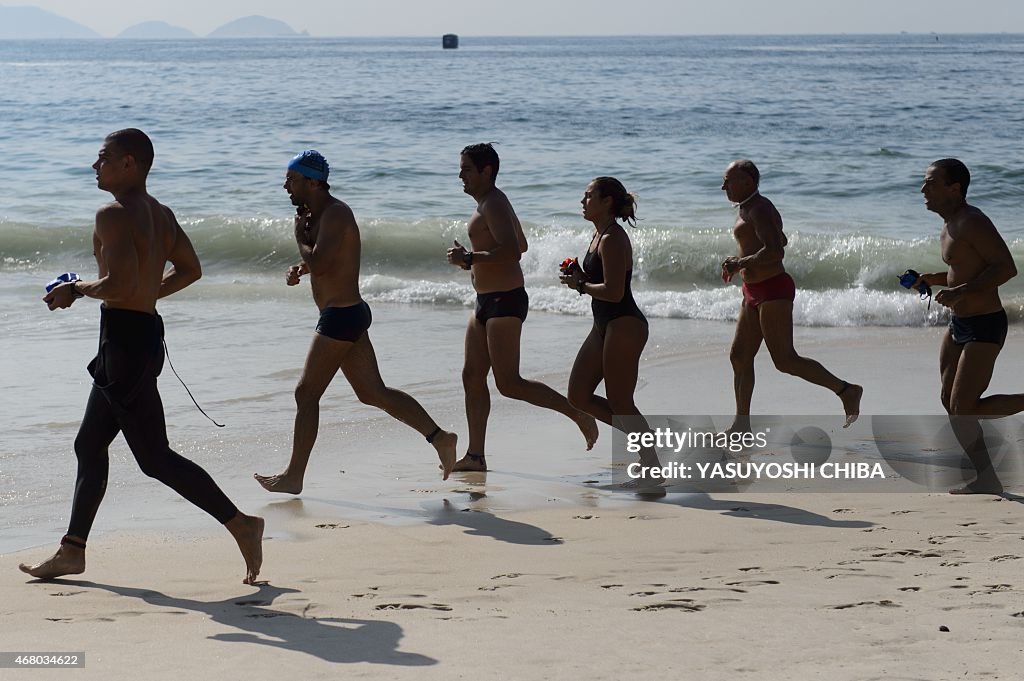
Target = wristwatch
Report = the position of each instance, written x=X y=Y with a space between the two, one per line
x=74 y=290
x=467 y=259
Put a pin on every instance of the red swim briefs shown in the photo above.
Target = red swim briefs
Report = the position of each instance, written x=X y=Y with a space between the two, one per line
x=779 y=287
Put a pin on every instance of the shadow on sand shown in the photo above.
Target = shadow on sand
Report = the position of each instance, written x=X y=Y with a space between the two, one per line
x=332 y=639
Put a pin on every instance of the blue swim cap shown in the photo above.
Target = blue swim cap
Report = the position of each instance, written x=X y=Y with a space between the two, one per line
x=311 y=164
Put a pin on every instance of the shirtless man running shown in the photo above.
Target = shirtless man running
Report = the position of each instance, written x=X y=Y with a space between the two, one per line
x=493 y=334
x=979 y=262
x=329 y=248
x=135 y=237
x=766 y=313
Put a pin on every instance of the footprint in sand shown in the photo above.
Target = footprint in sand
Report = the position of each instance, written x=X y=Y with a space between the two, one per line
x=753 y=582
x=494 y=587
x=331 y=526
x=270 y=615
x=75 y=593
x=943 y=538
x=690 y=589
x=254 y=602
x=910 y=553
x=611 y=586
x=995 y=559
x=842 y=510
x=1018 y=614
x=748 y=569
x=883 y=603
x=685 y=605
x=511 y=575
x=910 y=588
x=585 y=517
x=413 y=606
x=992 y=589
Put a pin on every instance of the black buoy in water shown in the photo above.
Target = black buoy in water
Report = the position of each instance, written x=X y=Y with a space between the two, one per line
x=450 y=41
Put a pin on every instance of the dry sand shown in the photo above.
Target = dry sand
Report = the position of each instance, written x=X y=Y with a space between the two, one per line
x=584 y=583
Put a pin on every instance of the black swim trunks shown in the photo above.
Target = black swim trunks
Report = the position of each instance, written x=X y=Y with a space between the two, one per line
x=982 y=328
x=345 y=323
x=514 y=303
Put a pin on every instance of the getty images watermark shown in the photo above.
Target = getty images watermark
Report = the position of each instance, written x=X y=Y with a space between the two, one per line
x=813 y=453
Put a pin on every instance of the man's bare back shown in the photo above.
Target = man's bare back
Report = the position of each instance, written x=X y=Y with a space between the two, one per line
x=489 y=277
x=960 y=251
x=137 y=225
x=333 y=236
x=758 y=222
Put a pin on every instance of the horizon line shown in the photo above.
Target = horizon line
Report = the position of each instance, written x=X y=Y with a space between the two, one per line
x=305 y=35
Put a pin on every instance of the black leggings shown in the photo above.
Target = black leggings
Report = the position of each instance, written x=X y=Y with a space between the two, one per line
x=124 y=399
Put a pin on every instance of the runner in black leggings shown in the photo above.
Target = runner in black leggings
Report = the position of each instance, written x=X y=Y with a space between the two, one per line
x=134 y=239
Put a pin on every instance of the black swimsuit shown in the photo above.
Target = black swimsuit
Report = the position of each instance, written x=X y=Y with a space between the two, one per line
x=982 y=328
x=345 y=323
x=605 y=311
x=124 y=399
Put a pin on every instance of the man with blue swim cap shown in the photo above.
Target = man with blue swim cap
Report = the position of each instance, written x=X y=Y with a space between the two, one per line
x=329 y=247
x=311 y=164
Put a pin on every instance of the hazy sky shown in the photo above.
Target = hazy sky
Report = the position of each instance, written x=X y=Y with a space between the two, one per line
x=557 y=17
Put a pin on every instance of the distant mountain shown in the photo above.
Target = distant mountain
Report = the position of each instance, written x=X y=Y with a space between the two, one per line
x=255 y=27
x=29 y=23
x=155 y=29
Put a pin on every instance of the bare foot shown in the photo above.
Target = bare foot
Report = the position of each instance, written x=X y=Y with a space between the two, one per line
x=446 y=444
x=69 y=560
x=741 y=425
x=588 y=426
x=850 y=395
x=248 y=533
x=279 y=483
x=644 y=485
x=471 y=462
x=979 y=487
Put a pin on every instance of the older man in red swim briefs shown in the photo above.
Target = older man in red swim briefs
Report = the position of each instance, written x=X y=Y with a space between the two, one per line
x=766 y=312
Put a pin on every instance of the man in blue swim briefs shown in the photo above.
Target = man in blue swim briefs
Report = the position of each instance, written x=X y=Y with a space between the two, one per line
x=979 y=262
x=329 y=248
x=493 y=334
x=766 y=313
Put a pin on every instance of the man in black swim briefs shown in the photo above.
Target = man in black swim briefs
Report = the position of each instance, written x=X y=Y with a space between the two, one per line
x=134 y=239
x=329 y=248
x=493 y=334
x=766 y=313
x=979 y=262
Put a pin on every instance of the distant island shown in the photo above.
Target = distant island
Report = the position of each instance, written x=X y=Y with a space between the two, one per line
x=150 y=30
x=33 y=23
x=256 y=27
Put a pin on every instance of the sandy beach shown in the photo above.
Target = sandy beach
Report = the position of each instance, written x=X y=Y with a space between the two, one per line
x=380 y=570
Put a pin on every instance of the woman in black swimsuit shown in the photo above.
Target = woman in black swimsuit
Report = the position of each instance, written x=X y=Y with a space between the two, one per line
x=612 y=350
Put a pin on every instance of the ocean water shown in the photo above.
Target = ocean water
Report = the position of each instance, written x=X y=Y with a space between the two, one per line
x=842 y=128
